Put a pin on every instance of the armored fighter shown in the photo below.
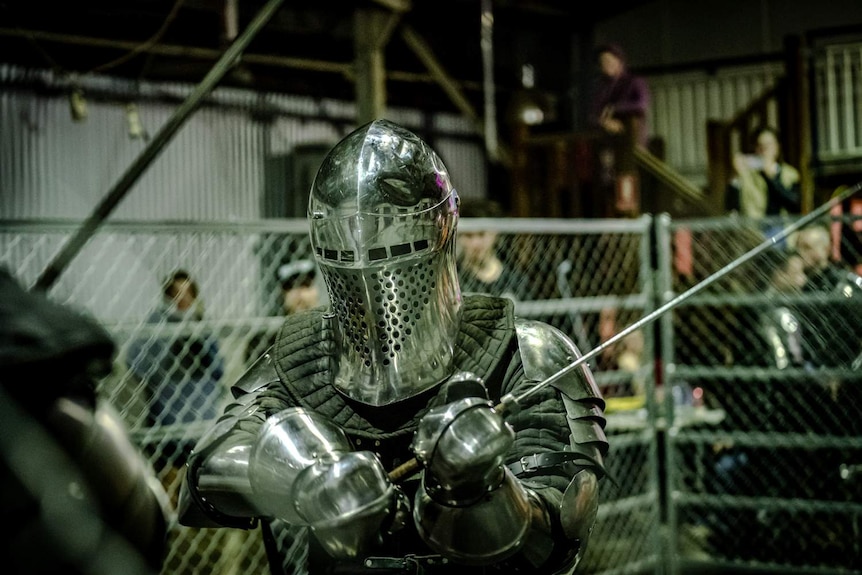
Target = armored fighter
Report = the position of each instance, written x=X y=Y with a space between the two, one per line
x=400 y=367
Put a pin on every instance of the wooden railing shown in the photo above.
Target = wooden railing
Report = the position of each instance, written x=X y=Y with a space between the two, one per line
x=672 y=181
x=557 y=175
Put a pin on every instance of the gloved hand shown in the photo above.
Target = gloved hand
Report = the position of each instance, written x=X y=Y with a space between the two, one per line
x=302 y=470
x=462 y=445
x=349 y=502
x=465 y=486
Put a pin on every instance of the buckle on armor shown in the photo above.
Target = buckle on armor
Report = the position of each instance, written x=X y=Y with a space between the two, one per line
x=529 y=463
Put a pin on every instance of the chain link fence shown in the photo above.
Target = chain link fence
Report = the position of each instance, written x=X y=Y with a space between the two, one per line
x=742 y=462
x=591 y=279
x=771 y=481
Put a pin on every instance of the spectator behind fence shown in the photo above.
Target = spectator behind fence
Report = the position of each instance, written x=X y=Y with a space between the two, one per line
x=765 y=185
x=181 y=369
x=763 y=406
x=782 y=331
x=300 y=291
x=299 y=288
x=838 y=320
x=480 y=268
x=182 y=372
x=79 y=496
x=794 y=406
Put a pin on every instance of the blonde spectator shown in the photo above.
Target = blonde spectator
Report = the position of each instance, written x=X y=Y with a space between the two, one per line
x=766 y=185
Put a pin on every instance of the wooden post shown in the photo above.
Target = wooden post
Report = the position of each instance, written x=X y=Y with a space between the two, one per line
x=520 y=200
x=798 y=117
x=368 y=25
x=627 y=200
x=719 y=169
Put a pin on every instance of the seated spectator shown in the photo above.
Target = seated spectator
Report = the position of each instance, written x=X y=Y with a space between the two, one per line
x=765 y=185
x=181 y=373
x=480 y=268
x=300 y=291
x=837 y=320
x=781 y=329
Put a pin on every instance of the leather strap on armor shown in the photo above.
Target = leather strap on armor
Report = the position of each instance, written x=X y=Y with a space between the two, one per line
x=534 y=464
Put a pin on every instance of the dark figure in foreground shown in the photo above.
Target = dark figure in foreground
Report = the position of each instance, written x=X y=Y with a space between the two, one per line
x=80 y=496
x=401 y=365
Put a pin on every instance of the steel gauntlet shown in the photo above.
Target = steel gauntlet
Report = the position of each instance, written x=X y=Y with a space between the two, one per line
x=302 y=471
x=465 y=486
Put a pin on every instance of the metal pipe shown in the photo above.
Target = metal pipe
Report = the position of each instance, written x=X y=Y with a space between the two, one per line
x=154 y=147
x=489 y=88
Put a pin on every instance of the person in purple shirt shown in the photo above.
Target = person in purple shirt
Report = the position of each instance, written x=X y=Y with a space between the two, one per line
x=617 y=116
x=620 y=99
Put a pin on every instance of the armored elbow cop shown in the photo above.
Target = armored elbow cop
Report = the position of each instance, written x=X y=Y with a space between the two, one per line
x=485 y=532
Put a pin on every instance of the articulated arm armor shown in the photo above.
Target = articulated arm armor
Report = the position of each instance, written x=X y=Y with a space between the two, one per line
x=474 y=509
x=217 y=490
x=296 y=466
x=465 y=486
x=303 y=471
x=493 y=491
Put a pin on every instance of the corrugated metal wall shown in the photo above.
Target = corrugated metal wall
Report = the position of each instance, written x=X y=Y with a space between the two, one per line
x=682 y=104
x=52 y=166
x=838 y=91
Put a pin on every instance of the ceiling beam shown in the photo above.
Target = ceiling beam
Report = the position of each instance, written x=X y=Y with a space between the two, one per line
x=197 y=53
x=153 y=148
x=449 y=85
